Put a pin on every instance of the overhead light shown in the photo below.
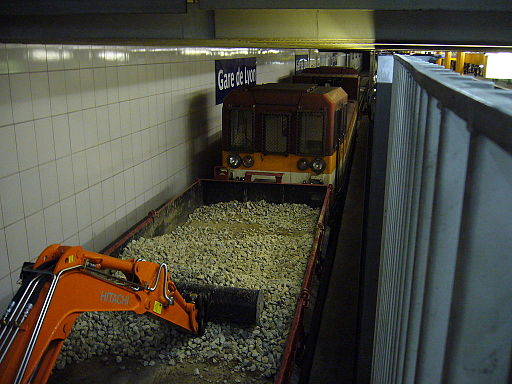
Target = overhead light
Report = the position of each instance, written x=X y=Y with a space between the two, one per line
x=499 y=65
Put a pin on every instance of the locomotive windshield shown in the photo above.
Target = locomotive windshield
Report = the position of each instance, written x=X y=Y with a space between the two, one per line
x=275 y=128
x=242 y=128
x=311 y=133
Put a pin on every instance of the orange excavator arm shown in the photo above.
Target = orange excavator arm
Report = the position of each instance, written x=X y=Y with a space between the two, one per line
x=63 y=283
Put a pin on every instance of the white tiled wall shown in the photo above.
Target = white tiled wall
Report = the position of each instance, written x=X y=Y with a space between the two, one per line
x=93 y=137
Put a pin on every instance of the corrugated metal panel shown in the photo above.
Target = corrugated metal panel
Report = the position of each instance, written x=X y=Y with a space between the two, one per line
x=444 y=301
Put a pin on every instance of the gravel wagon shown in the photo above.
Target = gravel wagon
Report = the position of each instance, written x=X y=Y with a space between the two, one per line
x=177 y=211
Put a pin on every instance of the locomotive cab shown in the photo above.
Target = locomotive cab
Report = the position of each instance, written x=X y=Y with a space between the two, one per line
x=291 y=133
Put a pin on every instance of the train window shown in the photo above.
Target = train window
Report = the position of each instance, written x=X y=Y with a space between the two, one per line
x=275 y=129
x=241 y=127
x=311 y=133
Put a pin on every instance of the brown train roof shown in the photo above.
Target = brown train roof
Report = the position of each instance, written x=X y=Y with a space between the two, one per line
x=285 y=94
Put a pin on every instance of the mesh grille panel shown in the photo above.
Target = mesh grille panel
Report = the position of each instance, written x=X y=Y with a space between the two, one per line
x=241 y=127
x=311 y=133
x=276 y=132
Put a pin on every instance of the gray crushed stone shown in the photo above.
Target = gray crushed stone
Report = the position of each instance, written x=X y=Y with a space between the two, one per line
x=254 y=245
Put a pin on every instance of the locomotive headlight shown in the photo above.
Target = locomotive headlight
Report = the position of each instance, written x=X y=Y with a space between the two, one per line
x=234 y=160
x=302 y=164
x=248 y=161
x=318 y=165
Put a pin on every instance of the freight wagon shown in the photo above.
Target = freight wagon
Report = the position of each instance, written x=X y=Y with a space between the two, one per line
x=175 y=212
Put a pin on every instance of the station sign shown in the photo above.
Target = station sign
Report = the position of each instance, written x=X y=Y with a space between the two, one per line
x=231 y=74
x=301 y=62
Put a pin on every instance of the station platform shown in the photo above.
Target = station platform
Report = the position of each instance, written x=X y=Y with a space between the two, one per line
x=334 y=358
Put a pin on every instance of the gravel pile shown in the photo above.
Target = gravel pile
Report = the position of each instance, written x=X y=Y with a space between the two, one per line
x=254 y=245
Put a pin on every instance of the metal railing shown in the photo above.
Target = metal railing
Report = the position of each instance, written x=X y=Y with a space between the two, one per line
x=444 y=307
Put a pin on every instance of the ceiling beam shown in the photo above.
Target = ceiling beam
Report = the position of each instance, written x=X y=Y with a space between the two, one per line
x=446 y=28
x=195 y=24
x=390 y=5
x=74 y=7
x=306 y=28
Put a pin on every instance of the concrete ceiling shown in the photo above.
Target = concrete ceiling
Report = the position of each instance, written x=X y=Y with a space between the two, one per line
x=332 y=29
x=361 y=24
x=377 y=5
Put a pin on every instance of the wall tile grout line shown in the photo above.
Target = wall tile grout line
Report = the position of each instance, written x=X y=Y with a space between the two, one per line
x=60 y=199
x=18 y=173
x=37 y=165
x=40 y=181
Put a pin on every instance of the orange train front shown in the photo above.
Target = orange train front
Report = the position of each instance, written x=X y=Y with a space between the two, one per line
x=290 y=133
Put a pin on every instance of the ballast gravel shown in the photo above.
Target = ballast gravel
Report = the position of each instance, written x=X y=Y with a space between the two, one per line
x=255 y=245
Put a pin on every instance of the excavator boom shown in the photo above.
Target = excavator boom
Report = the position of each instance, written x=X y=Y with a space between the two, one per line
x=67 y=281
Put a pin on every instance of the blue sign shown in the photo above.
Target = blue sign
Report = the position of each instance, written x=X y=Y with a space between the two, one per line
x=231 y=74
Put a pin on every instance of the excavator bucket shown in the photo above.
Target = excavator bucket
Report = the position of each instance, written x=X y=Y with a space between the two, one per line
x=225 y=304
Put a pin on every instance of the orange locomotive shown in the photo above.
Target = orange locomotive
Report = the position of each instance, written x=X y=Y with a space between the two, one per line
x=66 y=281
x=292 y=133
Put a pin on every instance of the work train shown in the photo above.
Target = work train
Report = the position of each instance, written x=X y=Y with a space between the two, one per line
x=298 y=132
x=302 y=132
